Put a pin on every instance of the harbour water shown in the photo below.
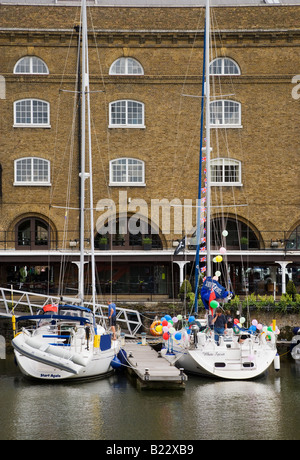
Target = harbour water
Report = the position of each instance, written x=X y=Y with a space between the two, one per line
x=113 y=409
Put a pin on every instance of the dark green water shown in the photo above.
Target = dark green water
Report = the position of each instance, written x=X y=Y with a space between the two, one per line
x=113 y=409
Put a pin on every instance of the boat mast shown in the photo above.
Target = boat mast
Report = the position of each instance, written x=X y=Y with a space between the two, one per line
x=82 y=174
x=86 y=121
x=208 y=172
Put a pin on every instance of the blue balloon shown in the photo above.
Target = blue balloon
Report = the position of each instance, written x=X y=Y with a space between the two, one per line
x=191 y=319
x=163 y=318
x=168 y=317
x=177 y=336
x=188 y=331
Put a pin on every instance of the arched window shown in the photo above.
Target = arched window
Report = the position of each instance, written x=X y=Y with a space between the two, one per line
x=31 y=65
x=126 y=114
x=128 y=233
x=32 y=233
x=224 y=66
x=127 y=171
x=225 y=171
x=293 y=242
x=240 y=235
x=225 y=113
x=32 y=113
x=126 y=66
x=32 y=171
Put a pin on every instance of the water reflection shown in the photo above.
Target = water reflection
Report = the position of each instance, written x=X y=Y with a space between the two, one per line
x=112 y=409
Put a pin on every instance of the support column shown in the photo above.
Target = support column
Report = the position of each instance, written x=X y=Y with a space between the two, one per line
x=181 y=264
x=283 y=264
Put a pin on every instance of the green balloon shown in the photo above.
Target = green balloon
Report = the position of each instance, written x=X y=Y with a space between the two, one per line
x=214 y=304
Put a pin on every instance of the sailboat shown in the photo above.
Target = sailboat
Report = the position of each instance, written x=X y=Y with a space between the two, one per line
x=240 y=354
x=65 y=342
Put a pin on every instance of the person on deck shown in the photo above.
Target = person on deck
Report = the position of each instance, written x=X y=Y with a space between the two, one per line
x=112 y=318
x=220 y=324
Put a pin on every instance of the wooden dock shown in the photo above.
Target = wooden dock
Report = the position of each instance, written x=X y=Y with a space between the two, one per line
x=150 y=370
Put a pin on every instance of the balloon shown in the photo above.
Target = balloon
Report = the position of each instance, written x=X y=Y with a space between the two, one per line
x=225 y=233
x=166 y=336
x=177 y=336
x=164 y=323
x=159 y=328
x=191 y=319
x=242 y=320
x=188 y=331
x=259 y=327
x=175 y=319
x=179 y=317
x=235 y=321
x=214 y=304
x=270 y=329
x=254 y=322
x=168 y=317
x=218 y=273
x=219 y=259
x=172 y=330
x=222 y=250
x=162 y=319
x=215 y=260
x=170 y=322
x=165 y=328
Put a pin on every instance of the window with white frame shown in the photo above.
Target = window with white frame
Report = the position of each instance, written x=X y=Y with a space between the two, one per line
x=32 y=112
x=225 y=113
x=126 y=114
x=32 y=171
x=126 y=66
x=224 y=66
x=31 y=65
x=127 y=171
x=225 y=171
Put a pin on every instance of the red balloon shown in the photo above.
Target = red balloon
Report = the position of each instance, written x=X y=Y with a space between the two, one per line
x=166 y=336
x=236 y=321
x=164 y=323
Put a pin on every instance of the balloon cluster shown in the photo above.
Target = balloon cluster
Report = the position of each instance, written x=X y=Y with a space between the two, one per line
x=168 y=329
x=255 y=326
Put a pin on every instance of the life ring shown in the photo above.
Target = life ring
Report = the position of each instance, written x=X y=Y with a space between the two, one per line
x=263 y=337
x=153 y=330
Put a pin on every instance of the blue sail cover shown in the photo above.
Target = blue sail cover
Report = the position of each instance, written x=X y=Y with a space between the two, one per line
x=211 y=290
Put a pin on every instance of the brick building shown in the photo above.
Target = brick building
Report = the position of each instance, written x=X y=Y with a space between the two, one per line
x=146 y=80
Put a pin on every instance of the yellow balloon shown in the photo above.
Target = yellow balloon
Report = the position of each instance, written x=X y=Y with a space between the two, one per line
x=219 y=258
x=159 y=328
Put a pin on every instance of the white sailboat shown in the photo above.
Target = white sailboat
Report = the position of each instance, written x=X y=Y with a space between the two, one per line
x=65 y=342
x=239 y=356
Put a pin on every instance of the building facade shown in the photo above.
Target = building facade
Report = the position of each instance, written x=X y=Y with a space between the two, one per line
x=146 y=76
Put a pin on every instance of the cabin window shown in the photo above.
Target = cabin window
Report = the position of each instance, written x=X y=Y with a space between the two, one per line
x=126 y=114
x=31 y=113
x=32 y=171
x=225 y=113
x=127 y=171
x=224 y=66
x=126 y=66
x=31 y=65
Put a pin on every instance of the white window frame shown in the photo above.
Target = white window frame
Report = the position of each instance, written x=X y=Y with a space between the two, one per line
x=223 y=73
x=126 y=67
x=126 y=124
x=113 y=183
x=31 y=66
x=223 y=162
x=31 y=181
x=31 y=124
x=223 y=124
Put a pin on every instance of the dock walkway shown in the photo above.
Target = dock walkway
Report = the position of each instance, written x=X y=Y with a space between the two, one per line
x=151 y=370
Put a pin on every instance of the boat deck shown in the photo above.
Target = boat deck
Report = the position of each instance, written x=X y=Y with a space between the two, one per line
x=150 y=369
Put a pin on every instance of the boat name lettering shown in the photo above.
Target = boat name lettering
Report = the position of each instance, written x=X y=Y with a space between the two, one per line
x=53 y=376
